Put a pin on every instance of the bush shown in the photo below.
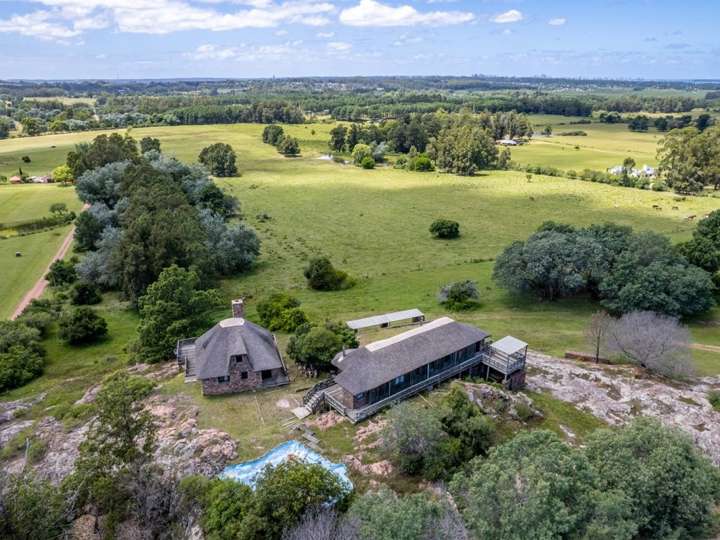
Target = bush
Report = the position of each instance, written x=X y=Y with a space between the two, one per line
x=420 y=163
x=322 y=276
x=219 y=158
x=281 y=312
x=288 y=146
x=272 y=134
x=26 y=159
x=62 y=273
x=360 y=152
x=445 y=228
x=713 y=396
x=367 y=163
x=84 y=293
x=82 y=325
x=460 y=295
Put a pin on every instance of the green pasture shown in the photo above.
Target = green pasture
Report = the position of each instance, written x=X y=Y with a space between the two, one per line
x=26 y=202
x=374 y=224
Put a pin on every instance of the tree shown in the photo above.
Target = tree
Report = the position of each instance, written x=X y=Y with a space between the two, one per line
x=20 y=364
x=272 y=134
x=230 y=249
x=219 y=158
x=62 y=273
x=337 y=138
x=102 y=184
x=84 y=293
x=597 y=332
x=671 y=486
x=689 y=159
x=547 y=130
x=656 y=342
x=32 y=508
x=554 y=482
x=289 y=146
x=228 y=507
x=361 y=152
x=173 y=307
x=463 y=150
x=383 y=515
x=58 y=208
x=103 y=150
x=460 y=295
x=6 y=124
x=701 y=252
x=149 y=143
x=314 y=347
x=120 y=440
x=82 y=325
x=321 y=275
x=445 y=228
x=62 y=174
x=88 y=230
x=280 y=311
x=628 y=165
x=709 y=228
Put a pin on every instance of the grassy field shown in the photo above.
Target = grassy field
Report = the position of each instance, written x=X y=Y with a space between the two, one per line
x=21 y=203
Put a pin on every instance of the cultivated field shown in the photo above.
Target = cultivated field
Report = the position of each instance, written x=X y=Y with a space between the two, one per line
x=374 y=224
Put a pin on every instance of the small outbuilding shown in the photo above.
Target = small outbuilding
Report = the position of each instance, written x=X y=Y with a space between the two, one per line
x=397 y=318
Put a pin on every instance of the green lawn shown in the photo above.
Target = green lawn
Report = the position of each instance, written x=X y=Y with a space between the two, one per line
x=31 y=201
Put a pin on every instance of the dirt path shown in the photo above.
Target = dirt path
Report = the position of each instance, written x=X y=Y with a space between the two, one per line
x=707 y=348
x=39 y=287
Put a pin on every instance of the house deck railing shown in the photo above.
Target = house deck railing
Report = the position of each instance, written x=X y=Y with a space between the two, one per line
x=355 y=415
x=503 y=363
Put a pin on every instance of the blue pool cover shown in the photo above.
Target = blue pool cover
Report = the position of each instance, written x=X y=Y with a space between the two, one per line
x=248 y=472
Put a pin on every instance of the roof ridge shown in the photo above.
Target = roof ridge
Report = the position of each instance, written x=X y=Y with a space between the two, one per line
x=437 y=323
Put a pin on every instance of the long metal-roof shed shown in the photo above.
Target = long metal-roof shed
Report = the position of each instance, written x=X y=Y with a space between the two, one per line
x=415 y=315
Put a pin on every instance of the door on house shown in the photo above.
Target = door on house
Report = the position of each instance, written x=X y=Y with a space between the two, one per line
x=266 y=374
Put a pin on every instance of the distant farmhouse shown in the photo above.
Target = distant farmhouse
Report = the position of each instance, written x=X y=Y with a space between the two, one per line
x=233 y=356
x=387 y=371
x=646 y=171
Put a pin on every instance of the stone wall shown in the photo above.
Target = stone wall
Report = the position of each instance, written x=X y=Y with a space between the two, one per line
x=212 y=387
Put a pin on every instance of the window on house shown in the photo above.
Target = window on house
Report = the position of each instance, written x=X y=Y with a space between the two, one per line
x=243 y=374
x=266 y=374
x=223 y=379
x=399 y=380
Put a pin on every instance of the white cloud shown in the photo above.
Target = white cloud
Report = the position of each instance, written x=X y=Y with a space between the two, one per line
x=247 y=53
x=325 y=35
x=557 y=21
x=510 y=16
x=339 y=46
x=39 y=24
x=68 y=18
x=373 y=13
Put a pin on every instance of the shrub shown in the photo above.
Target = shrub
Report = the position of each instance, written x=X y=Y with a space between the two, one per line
x=289 y=146
x=713 y=396
x=82 y=325
x=84 y=293
x=460 y=295
x=367 y=163
x=272 y=134
x=323 y=276
x=281 y=312
x=445 y=228
x=62 y=273
x=360 y=152
x=219 y=158
x=26 y=159
x=420 y=163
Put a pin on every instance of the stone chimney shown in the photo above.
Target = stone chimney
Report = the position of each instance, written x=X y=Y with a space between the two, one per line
x=238 y=308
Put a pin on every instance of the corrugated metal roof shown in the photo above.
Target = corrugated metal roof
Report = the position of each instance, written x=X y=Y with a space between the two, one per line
x=509 y=345
x=386 y=318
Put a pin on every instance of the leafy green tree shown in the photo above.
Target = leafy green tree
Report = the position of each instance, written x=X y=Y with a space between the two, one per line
x=709 y=228
x=230 y=249
x=228 y=512
x=671 y=487
x=701 y=252
x=173 y=307
x=337 y=138
x=360 y=152
x=32 y=508
x=6 y=124
x=32 y=126
x=149 y=143
x=160 y=228
x=219 y=158
x=62 y=273
x=103 y=150
x=19 y=365
x=121 y=438
x=464 y=150
x=62 y=174
x=280 y=311
x=445 y=228
x=314 y=347
x=289 y=146
x=321 y=275
x=383 y=515
x=555 y=483
x=88 y=230
x=82 y=325
x=101 y=184
x=272 y=134
x=460 y=295
x=84 y=293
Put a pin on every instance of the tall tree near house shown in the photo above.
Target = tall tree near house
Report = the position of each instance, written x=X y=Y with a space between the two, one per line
x=597 y=332
x=173 y=307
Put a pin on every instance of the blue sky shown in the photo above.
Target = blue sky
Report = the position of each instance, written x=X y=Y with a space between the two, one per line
x=262 y=38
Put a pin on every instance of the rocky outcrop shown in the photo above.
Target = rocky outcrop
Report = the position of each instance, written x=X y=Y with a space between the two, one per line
x=616 y=394
x=11 y=409
x=499 y=403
